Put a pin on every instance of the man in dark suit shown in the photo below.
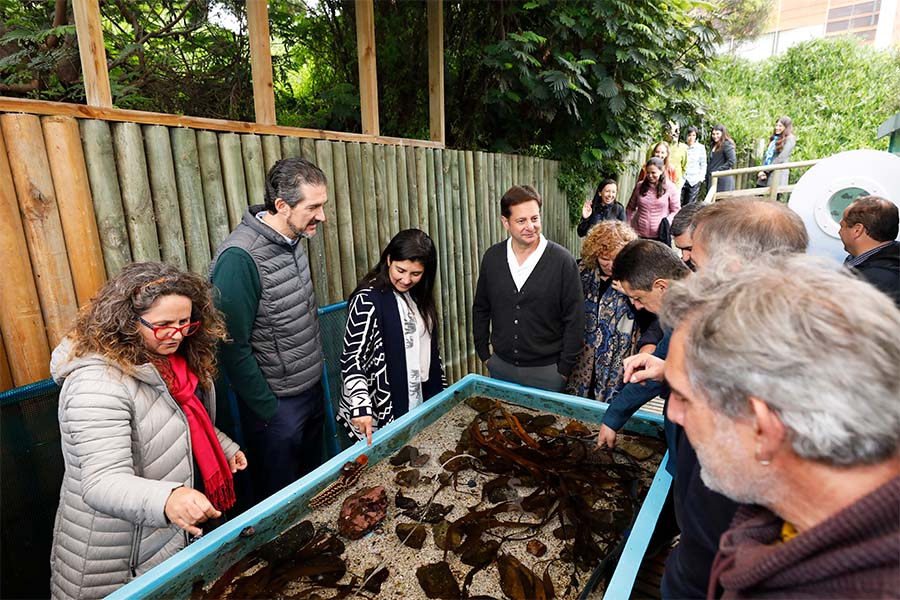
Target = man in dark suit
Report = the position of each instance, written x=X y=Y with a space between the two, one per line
x=869 y=232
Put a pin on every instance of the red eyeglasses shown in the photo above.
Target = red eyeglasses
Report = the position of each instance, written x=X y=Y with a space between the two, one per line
x=167 y=332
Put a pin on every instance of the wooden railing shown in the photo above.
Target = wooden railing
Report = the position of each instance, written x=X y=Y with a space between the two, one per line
x=771 y=191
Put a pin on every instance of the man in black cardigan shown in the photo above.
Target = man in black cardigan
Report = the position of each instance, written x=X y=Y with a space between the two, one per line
x=529 y=305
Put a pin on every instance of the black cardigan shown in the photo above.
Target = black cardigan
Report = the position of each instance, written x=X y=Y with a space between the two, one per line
x=543 y=324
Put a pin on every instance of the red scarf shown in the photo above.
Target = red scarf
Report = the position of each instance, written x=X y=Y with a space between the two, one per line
x=218 y=483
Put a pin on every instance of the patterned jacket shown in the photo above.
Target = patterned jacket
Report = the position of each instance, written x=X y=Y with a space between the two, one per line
x=373 y=363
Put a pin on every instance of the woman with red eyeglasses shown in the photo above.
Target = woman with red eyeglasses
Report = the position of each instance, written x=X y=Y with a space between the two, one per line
x=145 y=468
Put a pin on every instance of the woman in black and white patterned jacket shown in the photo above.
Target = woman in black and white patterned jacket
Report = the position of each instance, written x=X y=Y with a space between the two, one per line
x=390 y=363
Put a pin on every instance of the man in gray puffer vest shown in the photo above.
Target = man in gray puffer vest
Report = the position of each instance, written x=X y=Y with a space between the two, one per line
x=273 y=361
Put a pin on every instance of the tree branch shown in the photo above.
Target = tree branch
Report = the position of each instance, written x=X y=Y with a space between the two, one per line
x=20 y=88
x=59 y=18
x=165 y=31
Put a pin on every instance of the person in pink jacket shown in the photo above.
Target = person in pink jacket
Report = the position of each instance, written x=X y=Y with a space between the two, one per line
x=654 y=198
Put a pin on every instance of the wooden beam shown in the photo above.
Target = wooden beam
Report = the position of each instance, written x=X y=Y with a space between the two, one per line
x=368 y=77
x=436 y=70
x=92 y=52
x=261 y=61
x=20 y=310
x=43 y=107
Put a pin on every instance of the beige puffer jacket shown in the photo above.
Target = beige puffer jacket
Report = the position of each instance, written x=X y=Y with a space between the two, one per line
x=126 y=446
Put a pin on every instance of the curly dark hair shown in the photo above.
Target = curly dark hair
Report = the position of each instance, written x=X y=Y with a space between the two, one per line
x=108 y=324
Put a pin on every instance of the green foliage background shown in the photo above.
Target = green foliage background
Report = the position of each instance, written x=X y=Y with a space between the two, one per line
x=585 y=82
x=836 y=90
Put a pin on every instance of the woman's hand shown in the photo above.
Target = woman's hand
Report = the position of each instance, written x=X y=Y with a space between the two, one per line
x=186 y=507
x=364 y=426
x=586 y=210
x=238 y=462
x=762 y=176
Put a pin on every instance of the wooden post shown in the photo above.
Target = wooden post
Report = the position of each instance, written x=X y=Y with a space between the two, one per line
x=376 y=197
x=161 y=168
x=436 y=70
x=373 y=247
x=73 y=194
x=368 y=78
x=404 y=193
x=6 y=380
x=100 y=160
x=271 y=149
x=92 y=52
x=344 y=218
x=134 y=183
x=774 y=176
x=213 y=189
x=358 y=216
x=254 y=169
x=261 y=61
x=329 y=233
x=40 y=217
x=290 y=148
x=233 y=175
x=190 y=199
x=318 y=260
x=20 y=310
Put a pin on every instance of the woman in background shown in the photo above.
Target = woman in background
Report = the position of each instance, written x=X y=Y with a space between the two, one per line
x=609 y=330
x=145 y=467
x=602 y=207
x=722 y=157
x=781 y=144
x=390 y=363
x=661 y=151
x=653 y=201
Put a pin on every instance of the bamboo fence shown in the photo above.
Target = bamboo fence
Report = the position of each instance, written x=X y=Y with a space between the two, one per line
x=80 y=198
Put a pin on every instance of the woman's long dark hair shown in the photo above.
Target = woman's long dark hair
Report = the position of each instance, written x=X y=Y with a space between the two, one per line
x=598 y=201
x=718 y=145
x=788 y=130
x=660 y=183
x=414 y=245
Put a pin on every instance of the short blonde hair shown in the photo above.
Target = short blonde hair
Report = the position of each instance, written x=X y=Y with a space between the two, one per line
x=605 y=239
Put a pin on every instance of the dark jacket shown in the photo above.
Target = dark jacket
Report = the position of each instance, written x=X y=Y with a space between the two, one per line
x=540 y=325
x=601 y=212
x=852 y=554
x=721 y=160
x=882 y=270
x=702 y=514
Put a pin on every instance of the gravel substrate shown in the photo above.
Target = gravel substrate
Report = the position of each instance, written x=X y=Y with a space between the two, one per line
x=383 y=548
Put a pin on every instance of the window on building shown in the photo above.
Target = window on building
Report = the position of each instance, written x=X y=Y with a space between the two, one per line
x=859 y=19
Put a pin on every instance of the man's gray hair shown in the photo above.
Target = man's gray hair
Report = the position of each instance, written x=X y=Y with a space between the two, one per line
x=818 y=345
x=286 y=178
x=749 y=227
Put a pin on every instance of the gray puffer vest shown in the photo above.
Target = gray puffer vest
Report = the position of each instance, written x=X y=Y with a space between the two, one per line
x=285 y=338
x=126 y=446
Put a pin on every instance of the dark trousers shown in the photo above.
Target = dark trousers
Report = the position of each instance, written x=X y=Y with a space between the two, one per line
x=690 y=192
x=288 y=446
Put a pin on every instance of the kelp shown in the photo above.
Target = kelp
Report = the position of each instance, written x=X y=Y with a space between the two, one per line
x=588 y=495
x=538 y=477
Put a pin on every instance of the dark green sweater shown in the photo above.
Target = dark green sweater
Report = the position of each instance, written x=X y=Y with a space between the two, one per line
x=237 y=280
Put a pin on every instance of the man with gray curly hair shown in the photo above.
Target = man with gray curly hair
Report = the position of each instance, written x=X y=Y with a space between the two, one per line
x=783 y=374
